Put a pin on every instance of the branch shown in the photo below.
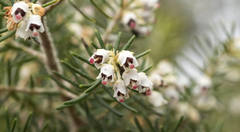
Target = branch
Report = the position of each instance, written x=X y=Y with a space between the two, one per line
x=28 y=50
x=53 y=65
x=49 y=8
x=112 y=24
x=33 y=91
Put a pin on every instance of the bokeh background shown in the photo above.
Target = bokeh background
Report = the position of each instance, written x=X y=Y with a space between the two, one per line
x=198 y=37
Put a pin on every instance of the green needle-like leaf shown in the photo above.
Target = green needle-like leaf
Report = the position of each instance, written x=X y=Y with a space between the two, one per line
x=8 y=35
x=178 y=124
x=77 y=71
x=81 y=12
x=89 y=51
x=147 y=69
x=123 y=104
x=117 y=43
x=3 y=30
x=50 y=3
x=63 y=86
x=28 y=123
x=81 y=58
x=103 y=103
x=129 y=43
x=143 y=54
x=14 y=125
x=100 y=40
x=83 y=95
x=66 y=79
x=138 y=124
x=3 y=3
x=95 y=45
x=34 y=1
x=99 y=9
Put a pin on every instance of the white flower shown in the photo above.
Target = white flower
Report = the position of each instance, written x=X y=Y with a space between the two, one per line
x=127 y=60
x=206 y=102
x=165 y=68
x=151 y=4
x=21 y=30
x=106 y=74
x=120 y=91
x=171 y=93
x=99 y=57
x=156 y=79
x=203 y=84
x=185 y=109
x=156 y=99
x=145 y=85
x=19 y=11
x=35 y=25
x=129 y=19
x=131 y=78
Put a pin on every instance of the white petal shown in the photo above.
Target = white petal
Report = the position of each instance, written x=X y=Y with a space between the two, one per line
x=107 y=70
x=119 y=86
x=127 y=16
x=22 y=5
x=144 y=81
x=21 y=30
x=123 y=55
x=35 y=19
x=128 y=75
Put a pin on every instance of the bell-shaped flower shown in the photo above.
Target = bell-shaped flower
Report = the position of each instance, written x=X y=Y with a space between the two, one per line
x=99 y=57
x=106 y=74
x=131 y=78
x=151 y=4
x=120 y=91
x=127 y=60
x=157 y=80
x=145 y=85
x=35 y=25
x=129 y=19
x=21 y=30
x=19 y=11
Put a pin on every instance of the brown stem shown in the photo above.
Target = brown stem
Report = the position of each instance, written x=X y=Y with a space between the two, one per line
x=53 y=65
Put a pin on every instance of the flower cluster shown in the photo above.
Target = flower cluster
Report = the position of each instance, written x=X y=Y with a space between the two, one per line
x=25 y=18
x=119 y=70
x=139 y=16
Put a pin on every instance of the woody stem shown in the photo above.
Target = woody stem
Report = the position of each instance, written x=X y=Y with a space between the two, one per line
x=53 y=65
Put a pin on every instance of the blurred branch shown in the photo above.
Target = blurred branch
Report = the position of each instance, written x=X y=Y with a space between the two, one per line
x=53 y=65
x=112 y=23
x=33 y=91
x=28 y=50
x=54 y=4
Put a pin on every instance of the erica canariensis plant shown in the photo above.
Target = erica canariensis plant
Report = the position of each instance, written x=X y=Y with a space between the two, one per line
x=70 y=66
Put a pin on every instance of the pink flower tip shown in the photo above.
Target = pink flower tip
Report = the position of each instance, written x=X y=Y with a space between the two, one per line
x=148 y=92
x=104 y=82
x=35 y=34
x=121 y=100
x=18 y=17
x=135 y=87
x=91 y=61
x=132 y=25
x=131 y=66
